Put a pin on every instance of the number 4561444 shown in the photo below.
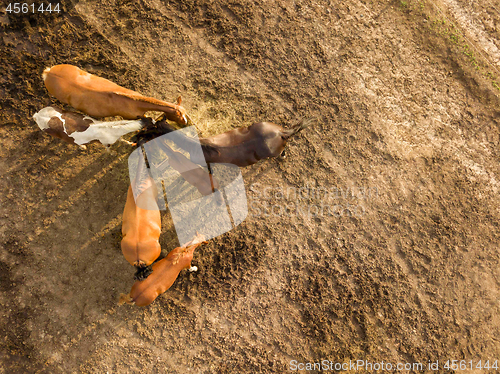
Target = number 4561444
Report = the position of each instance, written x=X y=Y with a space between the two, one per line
x=18 y=8
x=464 y=365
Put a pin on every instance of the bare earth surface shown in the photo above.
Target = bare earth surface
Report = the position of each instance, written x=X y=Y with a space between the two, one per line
x=409 y=135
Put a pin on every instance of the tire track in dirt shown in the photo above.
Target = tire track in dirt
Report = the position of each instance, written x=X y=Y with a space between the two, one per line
x=472 y=26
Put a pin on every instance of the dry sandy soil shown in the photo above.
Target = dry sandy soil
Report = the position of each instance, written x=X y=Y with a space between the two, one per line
x=407 y=94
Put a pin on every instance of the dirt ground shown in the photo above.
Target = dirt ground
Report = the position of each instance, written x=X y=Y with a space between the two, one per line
x=406 y=271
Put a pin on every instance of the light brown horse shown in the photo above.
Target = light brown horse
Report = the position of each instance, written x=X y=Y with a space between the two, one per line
x=99 y=97
x=141 y=228
x=164 y=274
